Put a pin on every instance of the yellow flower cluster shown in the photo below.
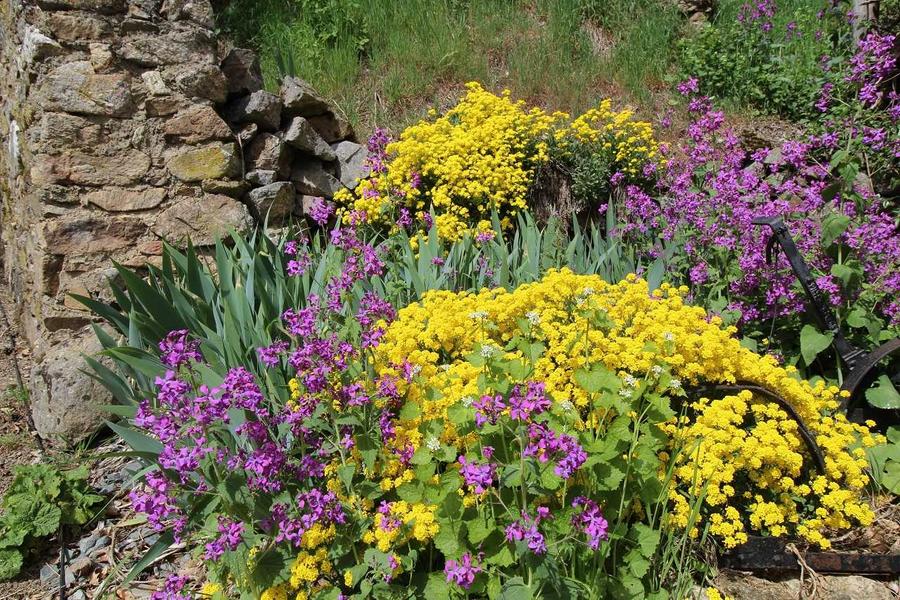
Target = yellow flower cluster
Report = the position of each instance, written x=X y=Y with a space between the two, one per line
x=478 y=157
x=481 y=156
x=627 y=143
x=310 y=567
x=403 y=521
x=744 y=453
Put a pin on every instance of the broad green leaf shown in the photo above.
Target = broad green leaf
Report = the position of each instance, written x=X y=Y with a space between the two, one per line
x=883 y=394
x=597 y=379
x=813 y=342
x=515 y=589
x=832 y=227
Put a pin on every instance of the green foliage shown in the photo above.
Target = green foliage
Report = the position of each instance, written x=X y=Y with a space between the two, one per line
x=885 y=461
x=775 y=71
x=41 y=499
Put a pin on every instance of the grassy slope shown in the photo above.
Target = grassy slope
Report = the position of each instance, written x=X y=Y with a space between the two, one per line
x=385 y=61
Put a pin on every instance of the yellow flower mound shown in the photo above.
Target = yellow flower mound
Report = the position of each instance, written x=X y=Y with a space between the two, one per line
x=626 y=143
x=744 y=453
x=481 y=156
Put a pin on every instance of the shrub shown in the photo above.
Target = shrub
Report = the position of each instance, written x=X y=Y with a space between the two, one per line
x=706 y=198
x=477 y=158
x=352 y=462
x=480 y=157
x=765 y=57
x=596 y=347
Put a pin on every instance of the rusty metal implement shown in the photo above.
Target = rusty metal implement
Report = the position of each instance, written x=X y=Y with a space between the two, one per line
x=771 y=555
x=862 y=364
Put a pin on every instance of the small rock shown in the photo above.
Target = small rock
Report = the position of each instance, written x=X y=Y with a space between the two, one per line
x=233 y=188
x=49 y=575
x=332 y=127
x=260 y=107
x=85 y=545
x=351 y=163
x=203 y=220
x=300 y=99
x=301 y=135
x=204 y=81
x=247 y=132
x=80 y=565
x=162 y=106
x=101 y=57
x=268 y=152
x=198 y=124
x=155 y=84
x=273 y=202
x=78 y=595
x=311 y=179
x=211 y=162
x=242 y=72
x=101 y=543
x=261 y=177
x=37 y=46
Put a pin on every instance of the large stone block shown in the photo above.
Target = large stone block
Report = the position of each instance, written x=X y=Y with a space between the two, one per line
x=242 y=72
x=300 y=99
x=124 y=200
x=77 y=26
x=100 y=6
x=202 y=220
x=87 y=234
x=313 y=180
x=197 y=124
x=171 y=48
x=273 y=202
x=301 y=135
x=76 y=88
x=218 y=161
x=62 y=130
x=267 y=152
x=260 y=107
x=124 y=168
x=66 y=403
x=202 y=81
x=351 y=163
x=332 y=127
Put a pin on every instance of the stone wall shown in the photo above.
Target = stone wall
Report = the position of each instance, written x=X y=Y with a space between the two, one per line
x=125 y=123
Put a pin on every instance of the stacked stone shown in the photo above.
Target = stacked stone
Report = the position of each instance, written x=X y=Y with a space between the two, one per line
x=123 y=125
x=296 y=147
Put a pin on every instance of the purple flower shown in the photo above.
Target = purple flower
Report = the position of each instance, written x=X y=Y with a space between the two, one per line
x=462 y=573
x=173 y=589
x=231 y=533
x=590 y=521
x=534 y=401
x=479 y=477
x=526 y=530
x=546 y=445
x=271 y=355
x=176 y=350
x=488 y=408
x=321 y=211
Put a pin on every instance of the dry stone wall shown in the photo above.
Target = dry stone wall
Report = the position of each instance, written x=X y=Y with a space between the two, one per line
x=125 y=123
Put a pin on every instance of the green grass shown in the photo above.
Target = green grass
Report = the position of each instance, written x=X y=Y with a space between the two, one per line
x=385 y=61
